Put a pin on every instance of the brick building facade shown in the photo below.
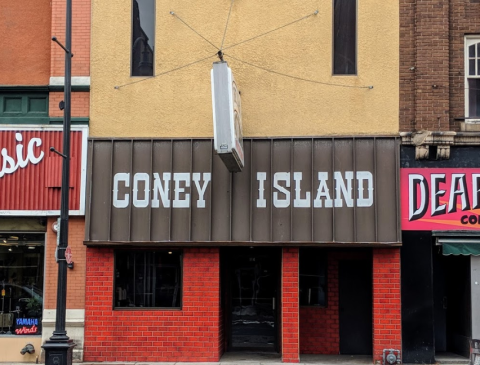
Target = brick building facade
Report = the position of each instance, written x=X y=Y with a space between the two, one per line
x=31 y=88
x=439 y=49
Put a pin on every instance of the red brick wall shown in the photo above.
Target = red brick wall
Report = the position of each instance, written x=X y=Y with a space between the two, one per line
x=319 y=327
x=75 y=277
x=80 y=104
x=189 y=334
x=290 y=306
x=25 y=42
x=387 y=328
x=432 y=62
x=81 y=15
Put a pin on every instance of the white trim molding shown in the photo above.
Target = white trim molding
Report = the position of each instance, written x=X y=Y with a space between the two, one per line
x=76 y=81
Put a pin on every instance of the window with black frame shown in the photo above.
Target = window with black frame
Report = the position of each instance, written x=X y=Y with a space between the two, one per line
x=313 y=277
x=143 y=37
x=148 y=279
x=344 y=37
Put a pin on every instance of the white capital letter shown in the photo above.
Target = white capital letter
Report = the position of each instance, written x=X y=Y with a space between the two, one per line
x=322 y=191
x=201 y=189
x=261 y=177
x=341 y=189
x=368 y=177
x=299 y=202
x=163 y=190
x=141 y=203
x=281 y=176
x=177 y=202
x=121 y=203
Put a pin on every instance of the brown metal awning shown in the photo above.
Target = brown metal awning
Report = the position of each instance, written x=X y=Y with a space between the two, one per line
x=292 y=191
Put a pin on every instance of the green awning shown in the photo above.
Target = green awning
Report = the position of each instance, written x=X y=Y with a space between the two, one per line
x=461 y=248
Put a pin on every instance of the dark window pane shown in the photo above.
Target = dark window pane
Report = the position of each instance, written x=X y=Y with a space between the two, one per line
x=471 y=51
x=344 y=37
x=143 y=37
x=313 y=277
x=147 y=279
x=478 y=49
x=474 y=97
x=471 y=67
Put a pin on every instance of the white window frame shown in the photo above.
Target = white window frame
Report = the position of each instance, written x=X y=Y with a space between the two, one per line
x=469 y=40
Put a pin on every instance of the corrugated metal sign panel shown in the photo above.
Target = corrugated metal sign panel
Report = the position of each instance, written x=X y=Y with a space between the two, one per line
x=306 y=190
x=30 y=174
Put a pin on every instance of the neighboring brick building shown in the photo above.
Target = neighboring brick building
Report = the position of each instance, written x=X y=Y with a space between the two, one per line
x=31 y=87
x=299 y=253
x=440 y=125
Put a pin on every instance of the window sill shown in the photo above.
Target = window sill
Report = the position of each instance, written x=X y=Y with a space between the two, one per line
x=471 y=125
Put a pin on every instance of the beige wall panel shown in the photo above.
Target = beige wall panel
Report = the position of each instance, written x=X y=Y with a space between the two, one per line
x=178 y=104
x=10 y=348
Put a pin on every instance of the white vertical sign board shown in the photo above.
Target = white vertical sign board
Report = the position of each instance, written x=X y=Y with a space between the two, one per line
x=227 y=117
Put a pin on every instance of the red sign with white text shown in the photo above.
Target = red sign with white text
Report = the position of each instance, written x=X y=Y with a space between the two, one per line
x=440 y=199
x=31 y=174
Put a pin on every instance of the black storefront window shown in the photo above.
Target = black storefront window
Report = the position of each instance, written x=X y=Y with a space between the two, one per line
x=148 y=279
x=21 y=283
x=313 y=277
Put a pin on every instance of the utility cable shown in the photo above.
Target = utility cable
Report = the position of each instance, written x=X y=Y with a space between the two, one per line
x=271 y=31
x=201 y=36
x=167 y=72
x=296 y=77
x=226 y=26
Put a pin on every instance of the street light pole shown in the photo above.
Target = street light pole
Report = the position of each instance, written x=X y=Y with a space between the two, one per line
x=59 y=349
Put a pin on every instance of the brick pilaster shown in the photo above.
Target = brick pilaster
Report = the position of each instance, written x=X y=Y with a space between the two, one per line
x=387 y=328
x=81 y=16
x=290 y=306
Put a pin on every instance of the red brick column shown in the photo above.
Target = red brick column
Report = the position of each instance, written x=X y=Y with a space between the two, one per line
x=290 y=306
x=387 y=329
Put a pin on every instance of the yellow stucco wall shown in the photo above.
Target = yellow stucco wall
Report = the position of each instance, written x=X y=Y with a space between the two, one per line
x=11 y=346
x=178 y=104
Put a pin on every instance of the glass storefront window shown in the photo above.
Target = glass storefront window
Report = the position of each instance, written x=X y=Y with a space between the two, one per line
x=313 y=277
x=150 y=278
x=21 y=283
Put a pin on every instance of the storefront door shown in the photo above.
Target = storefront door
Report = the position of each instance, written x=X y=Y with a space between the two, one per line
x=253 y=281
x=355 y=301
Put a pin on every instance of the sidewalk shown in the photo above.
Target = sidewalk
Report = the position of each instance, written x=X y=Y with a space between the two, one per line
x=239 y=358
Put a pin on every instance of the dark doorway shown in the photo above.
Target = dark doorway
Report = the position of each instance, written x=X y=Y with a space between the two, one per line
x=355 y=304
x=252 y=283
x=452 y=294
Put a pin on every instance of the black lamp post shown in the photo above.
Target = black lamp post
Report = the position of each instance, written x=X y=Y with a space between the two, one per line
x=59 y=349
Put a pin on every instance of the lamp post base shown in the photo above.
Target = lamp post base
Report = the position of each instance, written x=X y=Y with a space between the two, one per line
x=58 y=352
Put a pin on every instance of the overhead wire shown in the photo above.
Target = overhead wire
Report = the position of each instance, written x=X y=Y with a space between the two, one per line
x=167 y=72
x=296 y=77
x=201 y=36
x=271 y=31
x=226 y=26
x=220 y=54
